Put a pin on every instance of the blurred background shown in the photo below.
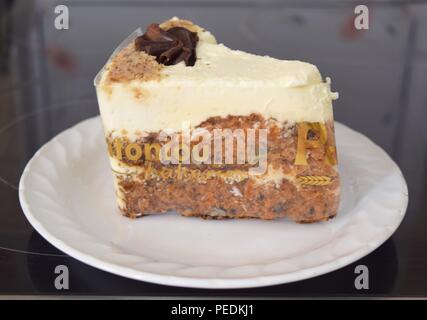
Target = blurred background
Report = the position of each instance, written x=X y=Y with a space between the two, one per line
x=46 y=79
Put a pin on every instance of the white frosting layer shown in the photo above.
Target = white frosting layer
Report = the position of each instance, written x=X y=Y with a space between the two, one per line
x=222 y=82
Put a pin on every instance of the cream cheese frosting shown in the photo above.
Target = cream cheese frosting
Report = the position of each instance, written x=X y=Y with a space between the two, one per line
x=222 y=82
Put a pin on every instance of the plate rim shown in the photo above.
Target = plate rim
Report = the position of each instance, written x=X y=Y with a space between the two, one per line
x=206 y=282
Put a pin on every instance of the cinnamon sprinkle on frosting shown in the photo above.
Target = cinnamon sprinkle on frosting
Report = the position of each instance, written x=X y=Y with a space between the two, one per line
x=130 y=64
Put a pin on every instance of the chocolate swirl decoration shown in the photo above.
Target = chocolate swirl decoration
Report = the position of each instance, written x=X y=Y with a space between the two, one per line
x=169 y=46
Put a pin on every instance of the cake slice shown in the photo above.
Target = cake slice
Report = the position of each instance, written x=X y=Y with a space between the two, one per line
x=195 y=127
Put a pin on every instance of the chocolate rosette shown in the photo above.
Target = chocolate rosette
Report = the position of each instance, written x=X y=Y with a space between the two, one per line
x=169 y=46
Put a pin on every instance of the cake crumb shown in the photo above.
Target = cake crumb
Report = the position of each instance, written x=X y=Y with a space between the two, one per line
x=139 y=94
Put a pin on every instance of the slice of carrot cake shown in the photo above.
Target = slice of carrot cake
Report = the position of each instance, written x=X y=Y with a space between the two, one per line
x=199 y=128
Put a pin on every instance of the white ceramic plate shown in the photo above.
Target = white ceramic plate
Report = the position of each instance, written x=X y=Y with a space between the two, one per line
x=66 y=192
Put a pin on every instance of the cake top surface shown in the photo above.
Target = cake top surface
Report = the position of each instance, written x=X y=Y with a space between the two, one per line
x=214 y=63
